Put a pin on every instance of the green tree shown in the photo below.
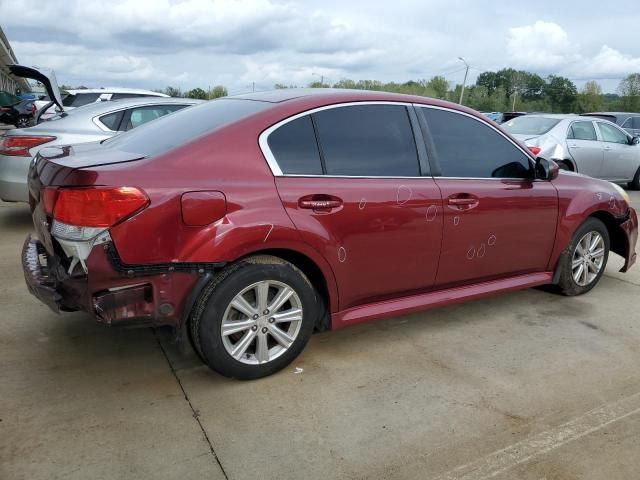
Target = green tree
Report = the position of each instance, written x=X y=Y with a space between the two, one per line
x=173 y=91
x=629 y=90
x=590 y=99
x=561 y=93
x=439 y=85
x=218 y=91
x=198 y=93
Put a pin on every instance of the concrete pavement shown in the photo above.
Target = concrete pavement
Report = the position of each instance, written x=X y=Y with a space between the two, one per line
x=528 y=385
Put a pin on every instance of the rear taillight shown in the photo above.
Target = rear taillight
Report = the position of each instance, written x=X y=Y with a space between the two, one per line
x=97 y=206
x=534 y=150
x=19 y=145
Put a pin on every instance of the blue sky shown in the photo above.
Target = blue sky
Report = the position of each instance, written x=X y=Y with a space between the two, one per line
x=152 y=44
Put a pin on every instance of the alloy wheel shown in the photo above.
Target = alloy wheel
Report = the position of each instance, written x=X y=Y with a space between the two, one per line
x=261 y=322
x=588 y=258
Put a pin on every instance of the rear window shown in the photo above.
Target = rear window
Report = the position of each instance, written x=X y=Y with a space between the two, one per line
x=527 y=125
x=79 y=99
x=184 y=126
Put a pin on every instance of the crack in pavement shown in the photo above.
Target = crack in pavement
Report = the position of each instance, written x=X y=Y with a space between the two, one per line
x=194 y=412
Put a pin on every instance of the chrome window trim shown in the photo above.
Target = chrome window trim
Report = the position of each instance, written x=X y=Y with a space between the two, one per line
x=271 y=160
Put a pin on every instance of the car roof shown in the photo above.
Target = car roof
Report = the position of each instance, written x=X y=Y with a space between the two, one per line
x=97 y=108
x=610 y=113
x=116 y=90
x=328 y=95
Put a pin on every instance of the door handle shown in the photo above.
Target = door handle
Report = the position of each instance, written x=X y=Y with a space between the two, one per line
x=320 y=202
x=463 y=201
x=607 y=148
x=573 y=146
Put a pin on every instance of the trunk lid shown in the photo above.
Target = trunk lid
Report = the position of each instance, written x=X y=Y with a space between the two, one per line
x=44 y=76
x=61 y=166
x=69 y=165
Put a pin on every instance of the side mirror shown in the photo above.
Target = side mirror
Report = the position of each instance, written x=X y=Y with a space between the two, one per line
x=546 y=169
x=635 y=140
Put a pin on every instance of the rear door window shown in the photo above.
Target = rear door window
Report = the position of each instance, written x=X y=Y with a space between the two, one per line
x=295 y=148
x=468 y=148
x=582 y=131
x=367 y=140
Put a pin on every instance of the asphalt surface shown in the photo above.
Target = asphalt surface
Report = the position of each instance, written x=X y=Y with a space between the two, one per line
x=527 y=385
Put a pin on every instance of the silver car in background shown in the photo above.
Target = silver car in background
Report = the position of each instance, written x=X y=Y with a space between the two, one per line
x=593 y=147
x=90 y=123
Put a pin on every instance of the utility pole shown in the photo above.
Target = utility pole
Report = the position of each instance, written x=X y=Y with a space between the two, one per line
x=464 y=82
x=515 y=92
x=253 y=86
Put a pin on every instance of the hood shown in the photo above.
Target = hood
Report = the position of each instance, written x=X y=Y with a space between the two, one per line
x=44 y=76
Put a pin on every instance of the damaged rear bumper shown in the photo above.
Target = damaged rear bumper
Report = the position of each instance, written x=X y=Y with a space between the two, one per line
x=36 y=275
x=113 y=293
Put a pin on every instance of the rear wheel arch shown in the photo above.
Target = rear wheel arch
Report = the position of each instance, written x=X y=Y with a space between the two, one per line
x=568 y=164
x=311 y=270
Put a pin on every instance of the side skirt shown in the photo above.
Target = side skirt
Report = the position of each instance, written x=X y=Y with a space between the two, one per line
x=440 y=298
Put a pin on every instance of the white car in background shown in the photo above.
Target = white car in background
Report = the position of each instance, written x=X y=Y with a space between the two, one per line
x=72 y=98
x=593 y=146
x=91 y=123
x=80 y=97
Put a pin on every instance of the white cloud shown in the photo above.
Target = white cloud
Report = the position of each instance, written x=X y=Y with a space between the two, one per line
x=543 y=45
x=189 y=43
x=546 y=47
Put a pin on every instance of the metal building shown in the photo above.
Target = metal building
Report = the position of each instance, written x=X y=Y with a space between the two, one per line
x=8 y=82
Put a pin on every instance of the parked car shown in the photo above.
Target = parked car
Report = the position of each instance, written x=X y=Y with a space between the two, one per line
x=91 y=123
x=495 y=116
x=506 y=116
x=73 y=98
x=253 y=220
x=629 y=121
x=594 y=147
x=21 y=115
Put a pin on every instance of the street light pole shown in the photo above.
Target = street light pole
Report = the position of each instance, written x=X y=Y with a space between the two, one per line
x=464 y=82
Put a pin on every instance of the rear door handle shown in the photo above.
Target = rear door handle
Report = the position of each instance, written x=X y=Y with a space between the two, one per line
x=462 y=201
x=320 y=202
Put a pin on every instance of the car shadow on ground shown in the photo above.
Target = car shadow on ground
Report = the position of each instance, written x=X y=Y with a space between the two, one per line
x=18 y=217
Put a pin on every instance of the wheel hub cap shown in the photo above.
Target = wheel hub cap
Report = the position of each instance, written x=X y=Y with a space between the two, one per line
x=261 y=322
x=588 y=258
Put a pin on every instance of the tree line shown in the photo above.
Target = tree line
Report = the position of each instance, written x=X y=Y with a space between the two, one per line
x=500 y=91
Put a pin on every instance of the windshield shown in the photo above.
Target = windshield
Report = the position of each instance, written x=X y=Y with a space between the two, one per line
x=185 y=125
x=526 y=125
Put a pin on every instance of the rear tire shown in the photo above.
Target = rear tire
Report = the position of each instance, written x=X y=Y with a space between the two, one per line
x=22 y=121
x=583 y=262
x=564 y=165
x=242 y=328
x=635 y=183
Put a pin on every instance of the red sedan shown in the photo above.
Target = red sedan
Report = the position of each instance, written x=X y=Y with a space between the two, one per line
x=249 y=222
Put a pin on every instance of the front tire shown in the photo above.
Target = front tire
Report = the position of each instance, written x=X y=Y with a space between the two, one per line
x=583 y=262
x=255 y=317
